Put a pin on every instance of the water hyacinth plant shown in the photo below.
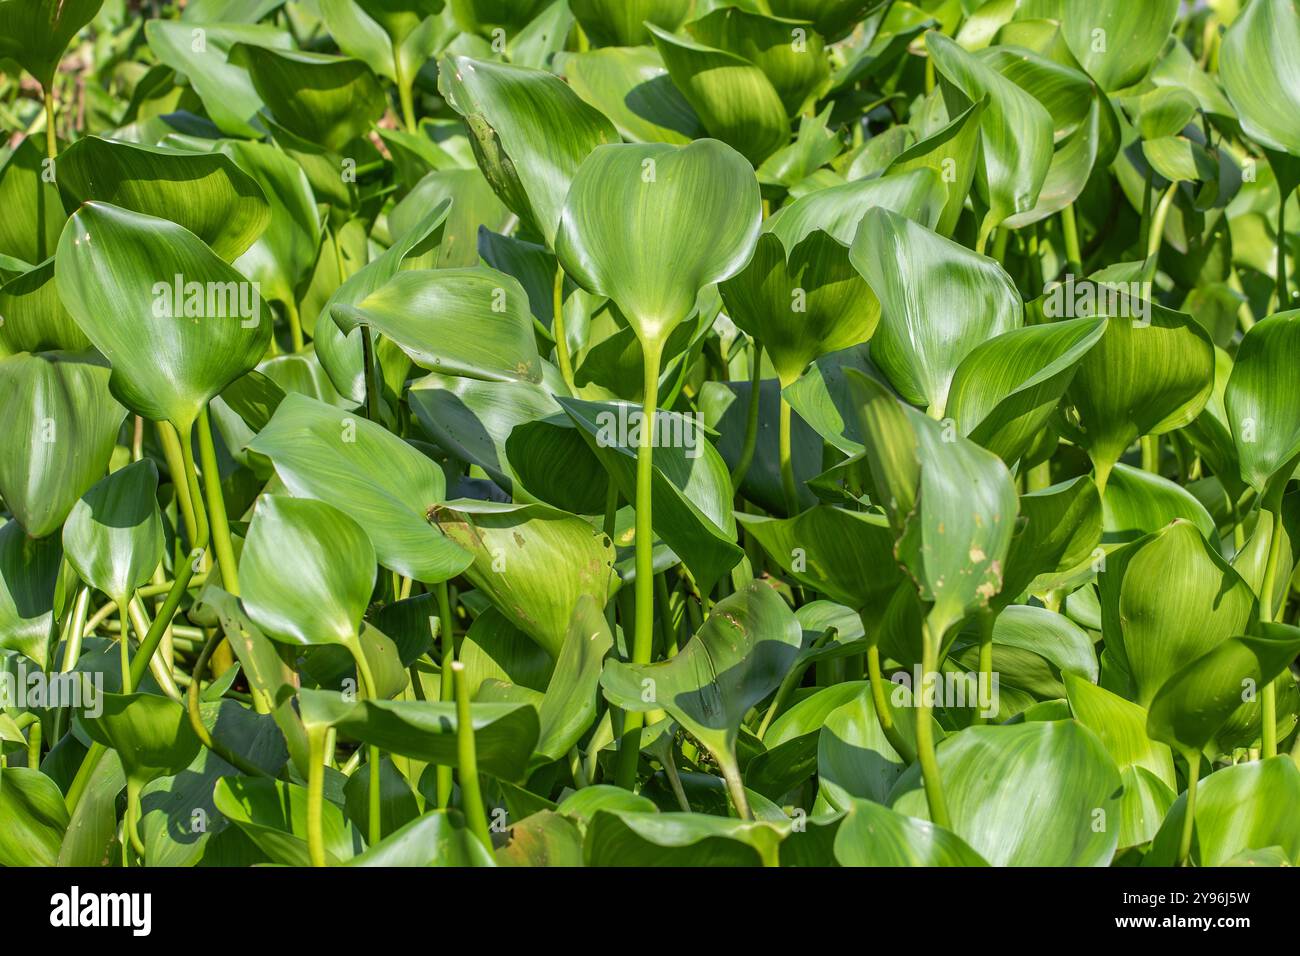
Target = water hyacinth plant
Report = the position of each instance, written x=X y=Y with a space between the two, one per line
x=649 y=432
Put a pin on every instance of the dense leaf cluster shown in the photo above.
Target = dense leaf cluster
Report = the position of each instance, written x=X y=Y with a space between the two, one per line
x=622 y=432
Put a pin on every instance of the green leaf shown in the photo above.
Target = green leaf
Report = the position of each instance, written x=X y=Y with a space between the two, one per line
x=371 y=475
x=738 y=657
x=1166 y=600
x=33 y=212
x=1264 y=419
x=1265 y=32
x=529 y=131
x=1017 y=132
x=438 y=838
x=918 y=194
x=1062 y=529
x=1239 y=808
x=342 y=355
x=872 y=835
x=207 y=193
x=479 y=422
x=172 y=349
x=306 y=572
x=957 y=544
x=1116 y=41
x=1140 y=379
x=1041 y=793
x=678 y=839
x=151 y=734
x=623 y=22
x=690 y=218
x=1121 y=726
x=802 y=302
x=831 y=18
x=1138 y=502
x=846 y=555
x=631 y=86
x=273 y=814
x=1005 y=391
x=1197 y=700
x=854 y=758
x=36 y=818
x=938 y=301
x=504 y=734
x=36 y=33
x=733 y=97
x=425 y=311
x=34 y=317
x=62 y=425
x=113 y=537
x=690 y=484
x=326 y=100
x=29 y=575
x=533 y=562
x=282 y=257
x=947 y=152
x=226 y=89
x=795 y=64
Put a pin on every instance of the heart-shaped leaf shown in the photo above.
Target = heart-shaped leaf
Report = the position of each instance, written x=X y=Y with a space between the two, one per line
x=62 y=426
x=529 y=131
x=177 y=323
x=801 y=303
x=938 y=301
x=1028 y=794
x=113 y=537
x=206 y=193
x=622 y=22
x=691 y=217
x=737 y=658
x=533 y=562
x=320 y=597
x=371 y=475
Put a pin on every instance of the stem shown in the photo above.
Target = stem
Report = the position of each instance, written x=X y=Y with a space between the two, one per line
x=986 y=658
x=171 y=448
x=884 y=715
x=471 y=799
x=1189 y=811
x=1283 y=297
x=1070 y=230
x=124 y=646
x=925 y=733
x=295 y=324
x=404 y=92
x=1150 y=454
x=1000 y=244
x=51 y=135
x=219 y=525
x=557 y=329
x=316 y=797
x=447 y=691
x=372 y=383
x=751 y=419
x=132 y=820
x=675 y=781
x=73 y=631
x=787 y=464
x=789 y=683
x=34 y=746
x=1040 y=476
x=196 y=715
x=1158 y=232
x=629 y=747
x=1268 y=694
x=731 y=774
